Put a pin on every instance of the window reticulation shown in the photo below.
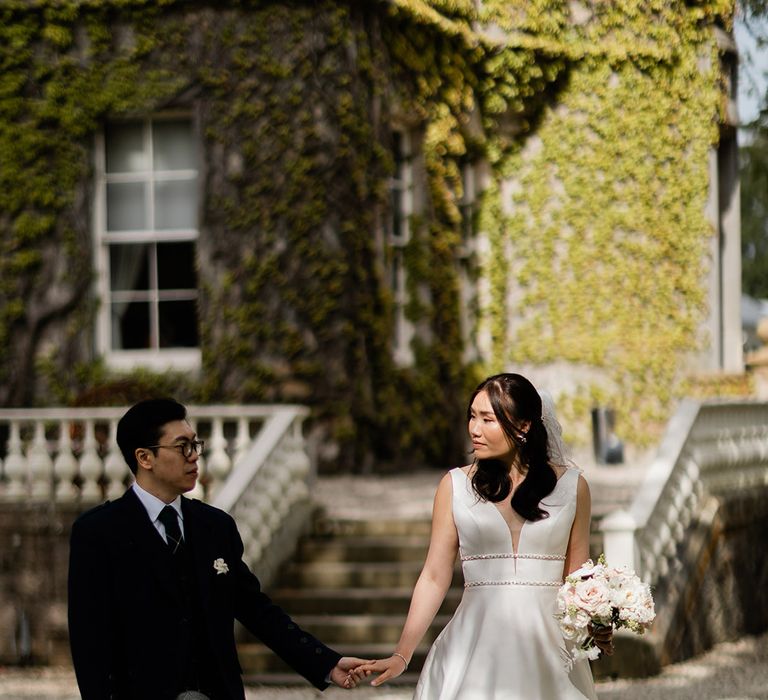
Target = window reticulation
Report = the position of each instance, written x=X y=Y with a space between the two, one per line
x=468 y=303
x=398 y=236
x=148 y=229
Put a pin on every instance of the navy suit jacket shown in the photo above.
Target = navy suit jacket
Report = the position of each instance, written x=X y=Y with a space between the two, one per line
x=125 y=613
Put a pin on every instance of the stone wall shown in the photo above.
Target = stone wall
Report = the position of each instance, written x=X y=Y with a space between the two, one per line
x=715 y=591
x=34 y=551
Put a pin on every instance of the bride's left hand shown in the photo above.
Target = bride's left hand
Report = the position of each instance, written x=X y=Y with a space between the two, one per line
x=603 y=636
x=386 y=668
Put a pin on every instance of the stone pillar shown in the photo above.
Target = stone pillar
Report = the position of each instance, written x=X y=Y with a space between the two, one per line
x=757 y=362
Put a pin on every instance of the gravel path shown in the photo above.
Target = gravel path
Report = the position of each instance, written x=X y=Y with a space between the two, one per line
x=730 y=671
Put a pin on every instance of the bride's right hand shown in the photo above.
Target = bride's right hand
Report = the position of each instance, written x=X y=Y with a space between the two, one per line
x=387 y=669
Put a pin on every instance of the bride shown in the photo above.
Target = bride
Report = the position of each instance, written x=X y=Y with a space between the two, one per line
x=519 y=517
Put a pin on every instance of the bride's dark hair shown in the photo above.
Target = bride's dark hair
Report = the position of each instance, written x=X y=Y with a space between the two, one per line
x=514 y=401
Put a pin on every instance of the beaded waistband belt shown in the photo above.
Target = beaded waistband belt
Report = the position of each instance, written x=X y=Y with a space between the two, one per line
x=480 y=574
x=474 y=584
x=512 y=555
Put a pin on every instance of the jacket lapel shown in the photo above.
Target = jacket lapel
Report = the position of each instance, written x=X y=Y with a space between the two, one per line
x=200 y=543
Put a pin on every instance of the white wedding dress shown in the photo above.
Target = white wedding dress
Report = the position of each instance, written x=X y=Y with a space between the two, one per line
x=503 y=642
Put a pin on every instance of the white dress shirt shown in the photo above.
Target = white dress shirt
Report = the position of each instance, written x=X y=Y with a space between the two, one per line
x=153 y=505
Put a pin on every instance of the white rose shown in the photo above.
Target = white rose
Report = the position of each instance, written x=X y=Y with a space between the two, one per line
x=592 y=596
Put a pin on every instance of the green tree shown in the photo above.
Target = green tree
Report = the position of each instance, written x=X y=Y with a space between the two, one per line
x=754 y=212
x=753 y=154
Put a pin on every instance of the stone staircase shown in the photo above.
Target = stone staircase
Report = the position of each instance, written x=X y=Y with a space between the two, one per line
x=350 y=584
x=351 y=578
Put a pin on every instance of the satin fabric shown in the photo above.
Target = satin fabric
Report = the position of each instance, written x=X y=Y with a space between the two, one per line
x=503 y=642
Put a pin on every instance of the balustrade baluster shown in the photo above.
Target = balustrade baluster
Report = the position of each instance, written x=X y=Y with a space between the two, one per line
x=199 y=490
x=15 y=465
x=40 y=465
x=219 y=463
x=299 y=457
x=65 y=466
x=242 y=441
x=90 y=465
x=114 y=464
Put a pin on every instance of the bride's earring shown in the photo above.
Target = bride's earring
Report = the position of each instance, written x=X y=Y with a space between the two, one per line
x=522 y=437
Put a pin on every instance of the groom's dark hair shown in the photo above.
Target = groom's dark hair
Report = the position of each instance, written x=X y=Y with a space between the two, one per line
x=142 y=424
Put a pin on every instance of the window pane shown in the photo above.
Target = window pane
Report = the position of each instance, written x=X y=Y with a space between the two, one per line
x=130 y=325
x=126 y=206
x=129 y=267
x=178 y=324
x=396 y=195
x=176 y=204
x=173 y=145
x=176 y=266
x=125 y=148
x=396 y=272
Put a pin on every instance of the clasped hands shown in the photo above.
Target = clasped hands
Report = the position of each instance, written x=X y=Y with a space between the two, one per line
x=346 y=674
x=350 y=671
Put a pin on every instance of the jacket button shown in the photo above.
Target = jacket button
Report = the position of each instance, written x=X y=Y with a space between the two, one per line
x=318 y=650
x=303 y=640
x=291 y=627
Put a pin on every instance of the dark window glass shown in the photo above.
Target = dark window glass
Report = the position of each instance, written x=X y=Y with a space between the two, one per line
x=178 y=324
x=176 y=265
x=129 y=267
x=130 y=326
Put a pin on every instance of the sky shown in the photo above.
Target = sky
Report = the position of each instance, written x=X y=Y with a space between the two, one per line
x=753 y=66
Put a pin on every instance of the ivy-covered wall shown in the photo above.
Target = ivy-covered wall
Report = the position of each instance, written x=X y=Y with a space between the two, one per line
x=594 y=120
x=604 y=238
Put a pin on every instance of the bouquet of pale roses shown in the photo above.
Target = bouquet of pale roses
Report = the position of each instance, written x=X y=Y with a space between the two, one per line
x=598 y=595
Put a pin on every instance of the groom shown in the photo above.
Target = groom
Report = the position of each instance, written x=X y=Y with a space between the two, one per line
x=156 y=582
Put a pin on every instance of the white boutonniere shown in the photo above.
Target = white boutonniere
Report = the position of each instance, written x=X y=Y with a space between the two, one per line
x=221 y=566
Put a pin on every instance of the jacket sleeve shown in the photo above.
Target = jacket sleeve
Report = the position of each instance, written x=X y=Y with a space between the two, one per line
x=90 y=629
x=270 y=623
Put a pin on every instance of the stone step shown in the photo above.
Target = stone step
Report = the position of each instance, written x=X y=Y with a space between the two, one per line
x=259 y=663
x=354 y=601
x=345 y=630
x=360 y=548
x=325 y=526
x=357 y=575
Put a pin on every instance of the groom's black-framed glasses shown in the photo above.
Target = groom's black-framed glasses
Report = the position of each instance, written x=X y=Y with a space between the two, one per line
x=187 y=447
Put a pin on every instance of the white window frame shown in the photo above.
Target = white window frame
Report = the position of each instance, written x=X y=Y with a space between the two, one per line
x=158 y=359
x=468 y=291
x=402 y=183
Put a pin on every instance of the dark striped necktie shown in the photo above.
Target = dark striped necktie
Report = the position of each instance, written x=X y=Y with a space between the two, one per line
x=170 y=519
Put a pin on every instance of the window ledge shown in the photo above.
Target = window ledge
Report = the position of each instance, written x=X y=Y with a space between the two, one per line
x=172 y=359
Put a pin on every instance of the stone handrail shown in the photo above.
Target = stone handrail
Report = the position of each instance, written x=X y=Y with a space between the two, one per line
x=255 y=465
x=708 y=448
x=268 y=492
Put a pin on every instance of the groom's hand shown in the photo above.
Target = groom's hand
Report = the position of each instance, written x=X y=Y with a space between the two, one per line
x=344 y=673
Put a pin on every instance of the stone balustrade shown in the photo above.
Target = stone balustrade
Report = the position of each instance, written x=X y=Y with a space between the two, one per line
x=68 y=455
x=692 y=532
x=709 y=449
x=254 y=466
x=57 y=462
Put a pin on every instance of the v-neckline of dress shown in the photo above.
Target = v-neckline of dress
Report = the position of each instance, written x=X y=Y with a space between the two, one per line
x=515 y=548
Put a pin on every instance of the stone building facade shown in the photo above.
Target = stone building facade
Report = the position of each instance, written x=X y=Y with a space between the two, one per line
x=365 y=207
